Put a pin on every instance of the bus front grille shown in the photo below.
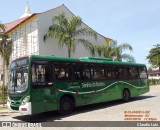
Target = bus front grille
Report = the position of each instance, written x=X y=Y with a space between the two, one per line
x=15 y=102
x=16 y=98
x=14 y=108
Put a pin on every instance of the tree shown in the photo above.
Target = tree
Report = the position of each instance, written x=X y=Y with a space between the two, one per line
x=157 y=50
x=154 y=56
x=5 y=46
x=5 y=52
x=69 y=33
x=115 y=51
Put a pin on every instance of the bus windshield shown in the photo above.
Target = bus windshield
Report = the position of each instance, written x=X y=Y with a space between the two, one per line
x=18 y=77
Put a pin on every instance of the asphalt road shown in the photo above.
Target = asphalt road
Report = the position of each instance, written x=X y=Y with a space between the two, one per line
x=142 y=108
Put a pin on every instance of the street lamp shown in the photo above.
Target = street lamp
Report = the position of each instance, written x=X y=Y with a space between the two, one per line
x=3 y=44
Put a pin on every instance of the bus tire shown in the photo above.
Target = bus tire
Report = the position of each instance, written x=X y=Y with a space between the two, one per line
x=126 y=95
x=65 y=106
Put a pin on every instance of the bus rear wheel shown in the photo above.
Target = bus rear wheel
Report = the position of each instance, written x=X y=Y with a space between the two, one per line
x=126 y=95
x=65 y=106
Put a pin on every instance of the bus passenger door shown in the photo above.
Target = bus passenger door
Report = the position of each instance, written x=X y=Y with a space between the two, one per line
x=42 y=94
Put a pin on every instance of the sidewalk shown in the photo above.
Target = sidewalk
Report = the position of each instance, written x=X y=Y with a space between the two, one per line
x=4 y=109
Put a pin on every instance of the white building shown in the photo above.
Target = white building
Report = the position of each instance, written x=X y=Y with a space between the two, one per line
x=27 y=34
x=28 y=31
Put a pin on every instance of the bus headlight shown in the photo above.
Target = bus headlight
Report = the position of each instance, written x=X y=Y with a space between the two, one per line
x=25 y=100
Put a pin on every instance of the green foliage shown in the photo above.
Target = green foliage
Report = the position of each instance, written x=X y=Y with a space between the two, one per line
x=154 y=56
x=5 y=93
x=68 y=32
x=5 y=46
x=154 y=81
x=115 y=51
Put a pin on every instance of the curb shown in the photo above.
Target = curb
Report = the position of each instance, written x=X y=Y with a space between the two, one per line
x=6 y=112
x=1 y=102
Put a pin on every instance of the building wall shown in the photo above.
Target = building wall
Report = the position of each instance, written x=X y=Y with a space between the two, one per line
x=28 y=38
x=25 y=40
x=50 y=47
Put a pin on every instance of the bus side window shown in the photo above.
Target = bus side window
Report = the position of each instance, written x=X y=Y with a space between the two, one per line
x=99 y=73
x=68 y=72
x=111 y=72
x=59 y=73
x=134 y=72
x=41 y=74
x=86 y=73
x=63 y=71
x=77 y=72
x=142 y=72
x=122 y=73
x=47 y=74
x=129 y=73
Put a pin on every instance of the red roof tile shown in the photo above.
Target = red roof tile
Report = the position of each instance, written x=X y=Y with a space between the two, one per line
x=10 y=26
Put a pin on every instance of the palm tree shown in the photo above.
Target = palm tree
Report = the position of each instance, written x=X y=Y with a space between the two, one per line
x=69 y=33
x=6 y=48
x=115 y=51
x=2 y=29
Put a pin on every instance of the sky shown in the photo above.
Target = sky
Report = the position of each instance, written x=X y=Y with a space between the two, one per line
x=136 y=22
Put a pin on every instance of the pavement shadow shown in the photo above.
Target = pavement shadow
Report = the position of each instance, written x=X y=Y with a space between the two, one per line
x=52 y=116
x=3 y=115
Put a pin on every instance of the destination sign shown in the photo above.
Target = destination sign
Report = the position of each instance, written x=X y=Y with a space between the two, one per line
x=19 y=63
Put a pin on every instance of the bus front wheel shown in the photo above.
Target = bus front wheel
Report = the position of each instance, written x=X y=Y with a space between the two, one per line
x=126 y=95
x=65 y=106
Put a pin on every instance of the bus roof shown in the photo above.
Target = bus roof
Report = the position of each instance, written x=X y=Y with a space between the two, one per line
x=85 y=59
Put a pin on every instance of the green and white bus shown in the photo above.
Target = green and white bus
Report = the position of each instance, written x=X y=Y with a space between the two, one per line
x=40 y=83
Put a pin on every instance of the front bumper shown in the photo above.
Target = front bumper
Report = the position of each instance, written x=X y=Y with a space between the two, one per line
x=24 y=109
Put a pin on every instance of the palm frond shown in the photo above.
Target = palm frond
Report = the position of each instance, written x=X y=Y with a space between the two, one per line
x=128 y=57
x=99 y=49
x=67 y=30
x=125 y=46
x=74 y=23
x=86 y=32
x=88 y=45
